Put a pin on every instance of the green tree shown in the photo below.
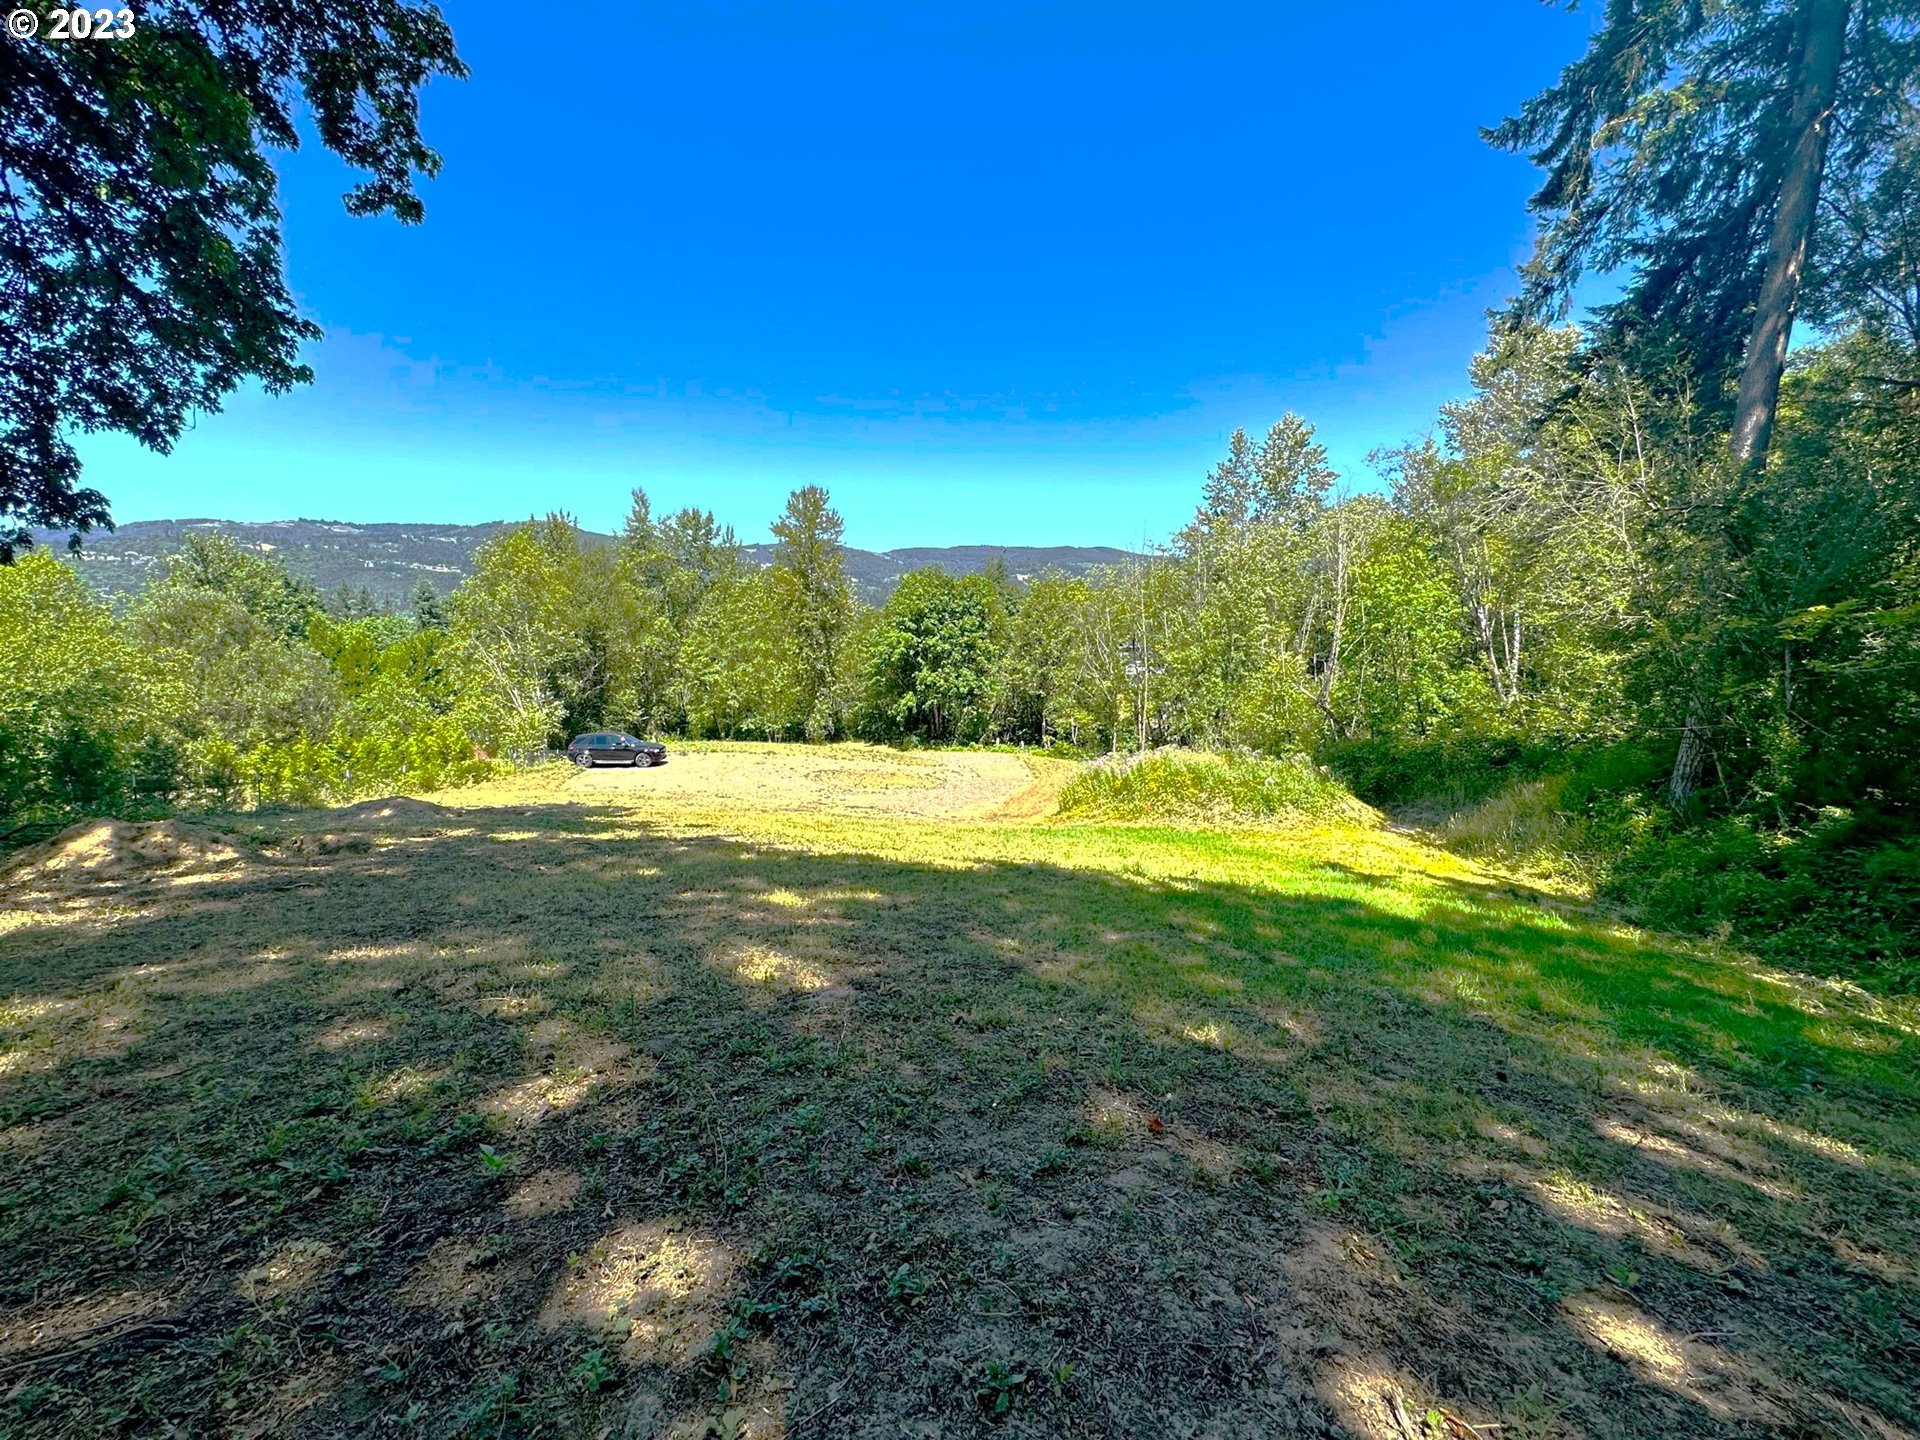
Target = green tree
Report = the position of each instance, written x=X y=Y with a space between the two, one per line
x=1409 y=673
x=545 y=633
x=140 y=249
x=739 y=665
x=646 y=687
x=424 y=604
x=1689 y=147
x=353 y=602
x=247 y=707
x=73 y=696
x=816 y=599
x=934 y=657
x=252 y=578
x=1540 y=499
x=1284 y=477
x=396 y=725
x=637 y=534
x=1041 y=663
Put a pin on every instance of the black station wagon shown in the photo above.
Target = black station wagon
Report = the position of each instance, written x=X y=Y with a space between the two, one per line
x=614 y=747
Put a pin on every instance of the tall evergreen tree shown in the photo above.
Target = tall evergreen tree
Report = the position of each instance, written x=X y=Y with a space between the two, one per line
x=807 y=559
x=1689 y=146
x=429 y=611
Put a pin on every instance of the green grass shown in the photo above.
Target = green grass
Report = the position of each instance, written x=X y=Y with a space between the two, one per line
x=566 y=1119
x=1222 y=789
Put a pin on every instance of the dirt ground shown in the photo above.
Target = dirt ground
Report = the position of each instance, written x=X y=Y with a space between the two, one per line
x=848 y=780
x=831 y=1093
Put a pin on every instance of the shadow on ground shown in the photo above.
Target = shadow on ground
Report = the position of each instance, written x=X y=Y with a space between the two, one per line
x=545 y=1124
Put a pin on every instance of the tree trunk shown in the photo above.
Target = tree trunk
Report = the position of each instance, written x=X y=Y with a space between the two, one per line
x=1686 y=763
x=1811 y=127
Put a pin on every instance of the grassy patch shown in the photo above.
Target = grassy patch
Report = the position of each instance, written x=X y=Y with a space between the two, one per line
x=1178 y=784
x=569 y=1112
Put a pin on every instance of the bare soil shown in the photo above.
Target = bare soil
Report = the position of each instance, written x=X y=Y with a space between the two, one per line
x=845 y=780
x=105 y=852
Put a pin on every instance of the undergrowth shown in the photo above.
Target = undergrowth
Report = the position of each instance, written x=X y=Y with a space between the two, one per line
x=1189 y=784
x=1836 y=892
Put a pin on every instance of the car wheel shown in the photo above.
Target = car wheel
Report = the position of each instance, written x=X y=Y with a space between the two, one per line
x=583 y=760
x=642 y=760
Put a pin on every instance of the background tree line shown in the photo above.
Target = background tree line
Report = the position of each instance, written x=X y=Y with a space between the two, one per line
x=1561 y=583
x=1652 y=592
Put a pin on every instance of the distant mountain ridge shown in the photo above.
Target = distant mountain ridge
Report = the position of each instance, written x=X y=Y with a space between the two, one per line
x=389 y=559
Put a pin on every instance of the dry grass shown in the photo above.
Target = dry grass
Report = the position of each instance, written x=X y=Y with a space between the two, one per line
x=591 y=1105
x=850 y=779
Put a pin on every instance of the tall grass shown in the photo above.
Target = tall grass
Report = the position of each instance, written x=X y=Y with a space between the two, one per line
x=1220 y=789
x=1524 y=827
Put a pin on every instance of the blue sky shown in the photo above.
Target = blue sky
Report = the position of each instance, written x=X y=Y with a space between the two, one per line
x=1002 y=272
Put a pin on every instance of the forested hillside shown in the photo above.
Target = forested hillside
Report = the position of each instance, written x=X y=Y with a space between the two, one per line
x=380 y=565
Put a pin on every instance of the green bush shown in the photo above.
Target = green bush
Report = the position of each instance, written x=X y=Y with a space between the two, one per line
x=1838 y=897
x=1190 y=784
x=1455 y=771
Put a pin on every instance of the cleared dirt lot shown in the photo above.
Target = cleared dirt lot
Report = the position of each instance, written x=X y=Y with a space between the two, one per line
x=848 y=780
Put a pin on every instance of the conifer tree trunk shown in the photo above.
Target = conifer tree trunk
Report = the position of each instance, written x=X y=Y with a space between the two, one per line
x=1811 y=127
x=1823 y=44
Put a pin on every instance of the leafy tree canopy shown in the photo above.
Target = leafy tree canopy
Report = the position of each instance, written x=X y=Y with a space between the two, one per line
x=256 y=582
x=140 y=266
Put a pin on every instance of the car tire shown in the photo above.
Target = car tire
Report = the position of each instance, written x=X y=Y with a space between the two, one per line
x=583 y=760
x=642 y=760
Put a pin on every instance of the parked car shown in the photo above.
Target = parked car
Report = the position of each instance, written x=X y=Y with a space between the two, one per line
x=614 y=747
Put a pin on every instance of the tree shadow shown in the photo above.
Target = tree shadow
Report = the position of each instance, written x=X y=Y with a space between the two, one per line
x=544 y=1121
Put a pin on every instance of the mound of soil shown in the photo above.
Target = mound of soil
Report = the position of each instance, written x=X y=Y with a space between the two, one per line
x=325 y=842
x=96 y=851
x=390 y=809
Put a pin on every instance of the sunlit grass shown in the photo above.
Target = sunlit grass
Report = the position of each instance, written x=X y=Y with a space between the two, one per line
x=739 y=1098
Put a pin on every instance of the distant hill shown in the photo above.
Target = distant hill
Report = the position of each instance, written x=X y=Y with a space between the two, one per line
x=875 y=573
x=389 y=560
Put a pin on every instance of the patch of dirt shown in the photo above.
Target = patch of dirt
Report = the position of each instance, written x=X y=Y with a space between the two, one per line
x=394 y=809
x=1041 y=796
x=94 y=852
x=848 y=779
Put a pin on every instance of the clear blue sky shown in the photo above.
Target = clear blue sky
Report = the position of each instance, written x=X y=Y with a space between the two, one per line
x=995 y=272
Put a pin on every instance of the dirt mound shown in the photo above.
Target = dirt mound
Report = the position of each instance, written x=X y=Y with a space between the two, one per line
x=323 y=842
x=96 y=851
x=389 y=809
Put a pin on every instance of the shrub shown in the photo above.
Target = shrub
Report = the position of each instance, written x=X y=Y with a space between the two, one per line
x=1458 y=770
x=1188 y=784
x=1838 y=897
